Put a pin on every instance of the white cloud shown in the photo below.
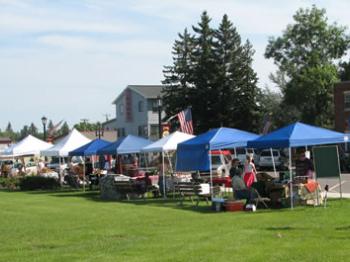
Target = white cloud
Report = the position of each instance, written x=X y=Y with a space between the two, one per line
x=128 y=47
x=13 y=23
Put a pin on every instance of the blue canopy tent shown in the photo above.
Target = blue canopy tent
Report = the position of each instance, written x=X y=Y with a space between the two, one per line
x=296 y=135
x=193 y=154
x=89 y=149
x=125 y=145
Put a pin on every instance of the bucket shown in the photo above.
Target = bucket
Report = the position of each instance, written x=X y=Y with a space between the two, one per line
x=233 y=206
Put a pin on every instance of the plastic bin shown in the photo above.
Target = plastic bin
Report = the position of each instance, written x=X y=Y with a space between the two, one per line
x=233 y=206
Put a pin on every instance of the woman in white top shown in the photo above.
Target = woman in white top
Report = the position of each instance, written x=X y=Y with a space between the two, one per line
x=249 y=171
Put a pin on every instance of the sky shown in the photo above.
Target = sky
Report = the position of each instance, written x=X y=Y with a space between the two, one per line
x=69 y=59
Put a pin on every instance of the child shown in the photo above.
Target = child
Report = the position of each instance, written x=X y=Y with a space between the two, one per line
x=249 y=171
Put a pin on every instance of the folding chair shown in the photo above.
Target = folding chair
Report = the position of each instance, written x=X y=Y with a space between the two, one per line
x=259 y=199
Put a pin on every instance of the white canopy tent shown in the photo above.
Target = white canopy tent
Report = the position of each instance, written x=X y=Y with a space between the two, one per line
x=69 y=143
x=165 y=145
x=168 y=143
x=30 y=145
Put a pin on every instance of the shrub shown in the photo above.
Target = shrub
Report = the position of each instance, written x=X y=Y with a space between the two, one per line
x=10 y=183
x=38 y=182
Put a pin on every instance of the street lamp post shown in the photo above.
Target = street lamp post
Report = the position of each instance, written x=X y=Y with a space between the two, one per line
x=159 y=116
x=44 y=121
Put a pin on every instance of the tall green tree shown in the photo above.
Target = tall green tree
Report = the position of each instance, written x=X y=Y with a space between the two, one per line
x=204 y=71
x=24 y=132
x=307 y=50
x=178 y=77
x=33 y=130
x=212 y=73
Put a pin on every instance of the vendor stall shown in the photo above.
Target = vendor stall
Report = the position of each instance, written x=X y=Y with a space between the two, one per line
x=297 y=135
x=164 y=146
x=193 y=154
x=89 y=149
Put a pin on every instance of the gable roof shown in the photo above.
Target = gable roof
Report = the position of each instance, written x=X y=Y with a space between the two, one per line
x=147 y=91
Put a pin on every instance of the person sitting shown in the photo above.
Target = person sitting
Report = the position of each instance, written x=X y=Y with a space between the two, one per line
x=304 y=166
x=239 y=188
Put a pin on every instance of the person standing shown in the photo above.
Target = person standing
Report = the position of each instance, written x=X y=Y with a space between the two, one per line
x=249 y=171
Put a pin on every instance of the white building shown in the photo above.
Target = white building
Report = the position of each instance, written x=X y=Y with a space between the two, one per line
x=137 y=111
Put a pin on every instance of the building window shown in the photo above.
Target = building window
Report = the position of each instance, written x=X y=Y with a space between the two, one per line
x=347 y=101
x=154 y=131
x=142 y=131
x=121 y=109
x=121 y=132
x=154 y=104
x=140 y=105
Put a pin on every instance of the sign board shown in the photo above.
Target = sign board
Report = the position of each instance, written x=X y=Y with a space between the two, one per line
x=326 y=161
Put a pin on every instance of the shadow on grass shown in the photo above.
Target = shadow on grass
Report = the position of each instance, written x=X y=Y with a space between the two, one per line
x=158 y=202
x=343 y=228
x=285 y=228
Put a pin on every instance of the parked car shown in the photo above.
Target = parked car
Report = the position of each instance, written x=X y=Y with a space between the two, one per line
x=265 y=159
x=241 y=154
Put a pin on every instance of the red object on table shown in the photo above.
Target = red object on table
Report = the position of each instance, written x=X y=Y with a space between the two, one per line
x=222 y=181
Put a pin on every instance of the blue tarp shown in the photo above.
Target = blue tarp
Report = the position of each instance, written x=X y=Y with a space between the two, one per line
x=90 y=149
x=125 y=145
x=193 y=154
x=298 y=134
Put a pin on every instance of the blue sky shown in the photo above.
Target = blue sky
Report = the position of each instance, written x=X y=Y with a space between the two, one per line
x=69 y=59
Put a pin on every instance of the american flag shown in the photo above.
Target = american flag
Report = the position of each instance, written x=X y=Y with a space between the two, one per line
x=185 y=119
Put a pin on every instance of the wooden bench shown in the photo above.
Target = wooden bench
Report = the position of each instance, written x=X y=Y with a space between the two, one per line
x=131 y=187
x=190 y=189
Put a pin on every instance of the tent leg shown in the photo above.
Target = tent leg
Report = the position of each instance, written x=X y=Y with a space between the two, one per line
x=211 y=177
x=340 y=189
x=273 y=162
x=290 y=178
x=84 y=174
x=164 y=194
x=59 y=171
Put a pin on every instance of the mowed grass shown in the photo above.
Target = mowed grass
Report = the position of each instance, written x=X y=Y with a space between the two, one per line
x=77 y=226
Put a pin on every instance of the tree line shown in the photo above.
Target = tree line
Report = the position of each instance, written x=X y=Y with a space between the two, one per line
x=212 y=73
x=52 y=130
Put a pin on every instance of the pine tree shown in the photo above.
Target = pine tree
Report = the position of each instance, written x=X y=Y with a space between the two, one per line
x=227 y=48
x=33 y=130
x=9 y=128
x=204 y=93
x=246 y=100
x=176 y=95
x=214 y=75
x=24 y=132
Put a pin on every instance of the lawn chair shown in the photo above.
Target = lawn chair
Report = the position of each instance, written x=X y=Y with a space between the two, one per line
x=259 y=199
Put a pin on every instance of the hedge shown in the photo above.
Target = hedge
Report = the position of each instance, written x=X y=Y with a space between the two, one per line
x=38 y=182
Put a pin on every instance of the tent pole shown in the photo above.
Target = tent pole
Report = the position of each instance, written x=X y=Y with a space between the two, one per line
x=273 y=162
x=290 y=178
x=164 y=195
x=59 y=171
x=211 y=177
x=234 y=149
x=84 y=174
x=340 y=189
x=169 y=160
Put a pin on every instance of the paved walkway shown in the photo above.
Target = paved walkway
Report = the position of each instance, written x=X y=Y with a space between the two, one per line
x=334 y=185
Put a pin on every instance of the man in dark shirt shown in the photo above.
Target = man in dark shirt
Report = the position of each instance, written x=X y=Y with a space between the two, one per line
x=240 y=190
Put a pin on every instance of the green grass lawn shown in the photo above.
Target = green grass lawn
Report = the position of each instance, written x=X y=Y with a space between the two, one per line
x=76 y=226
